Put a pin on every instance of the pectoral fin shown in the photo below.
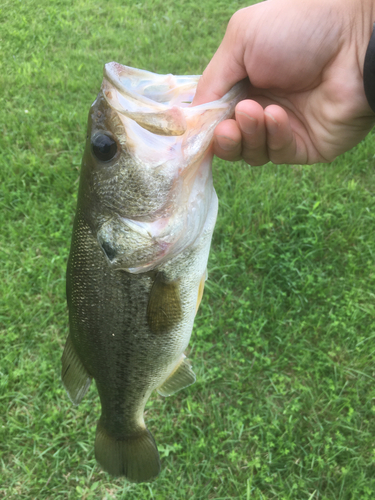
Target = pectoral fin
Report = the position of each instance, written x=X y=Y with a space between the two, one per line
x=164 y=305
x=181 y=377
x=74 y=376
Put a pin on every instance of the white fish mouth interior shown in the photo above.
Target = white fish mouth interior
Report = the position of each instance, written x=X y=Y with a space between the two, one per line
x=150 y=88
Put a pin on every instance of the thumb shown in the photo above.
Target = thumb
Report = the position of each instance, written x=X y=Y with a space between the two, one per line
x=226 y=68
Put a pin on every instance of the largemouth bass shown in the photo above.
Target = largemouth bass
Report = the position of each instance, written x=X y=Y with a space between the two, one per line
x=137 y=266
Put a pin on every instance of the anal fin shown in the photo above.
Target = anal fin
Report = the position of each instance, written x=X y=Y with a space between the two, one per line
x=181 y=377
x=74 y=376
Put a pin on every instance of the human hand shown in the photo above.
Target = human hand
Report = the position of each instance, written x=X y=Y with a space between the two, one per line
x=306 y=96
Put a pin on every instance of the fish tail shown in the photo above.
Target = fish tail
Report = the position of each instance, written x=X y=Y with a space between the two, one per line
x=136 y=457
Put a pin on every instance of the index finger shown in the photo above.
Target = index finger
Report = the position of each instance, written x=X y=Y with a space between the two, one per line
x=226 y=68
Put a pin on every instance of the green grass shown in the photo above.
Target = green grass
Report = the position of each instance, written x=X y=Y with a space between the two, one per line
x=283 y=344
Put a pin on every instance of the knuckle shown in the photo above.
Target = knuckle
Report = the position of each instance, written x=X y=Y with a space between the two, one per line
x=255 y=160
x=235 y=19
x=279 y=157
x=281 y=153
x=236 y=23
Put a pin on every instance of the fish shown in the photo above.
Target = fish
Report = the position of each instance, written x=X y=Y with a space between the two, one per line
x=146 y=211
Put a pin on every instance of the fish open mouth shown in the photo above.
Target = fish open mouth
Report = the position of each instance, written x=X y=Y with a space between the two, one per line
x=161 y=103
x=155 y=106
x=161 y=126
x=167 y=143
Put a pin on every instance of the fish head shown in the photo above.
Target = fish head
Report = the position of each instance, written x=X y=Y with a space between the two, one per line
x=146 y=180
x=119 y=193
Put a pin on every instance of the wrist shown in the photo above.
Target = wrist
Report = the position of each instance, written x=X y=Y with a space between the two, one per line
x=366 y=50
x=358 y=17
x=362 y=19
x=369 y=72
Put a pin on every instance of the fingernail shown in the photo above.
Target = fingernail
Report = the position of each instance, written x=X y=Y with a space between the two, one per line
x=272 y=124
x=248 y=123
x=226 y=143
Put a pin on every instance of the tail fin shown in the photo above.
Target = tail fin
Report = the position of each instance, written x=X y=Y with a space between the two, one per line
x=135 y=457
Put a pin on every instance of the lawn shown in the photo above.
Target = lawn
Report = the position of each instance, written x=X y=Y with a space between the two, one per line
x=284 y=341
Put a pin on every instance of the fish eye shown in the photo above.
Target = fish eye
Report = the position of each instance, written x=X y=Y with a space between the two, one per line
x=104 y=147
